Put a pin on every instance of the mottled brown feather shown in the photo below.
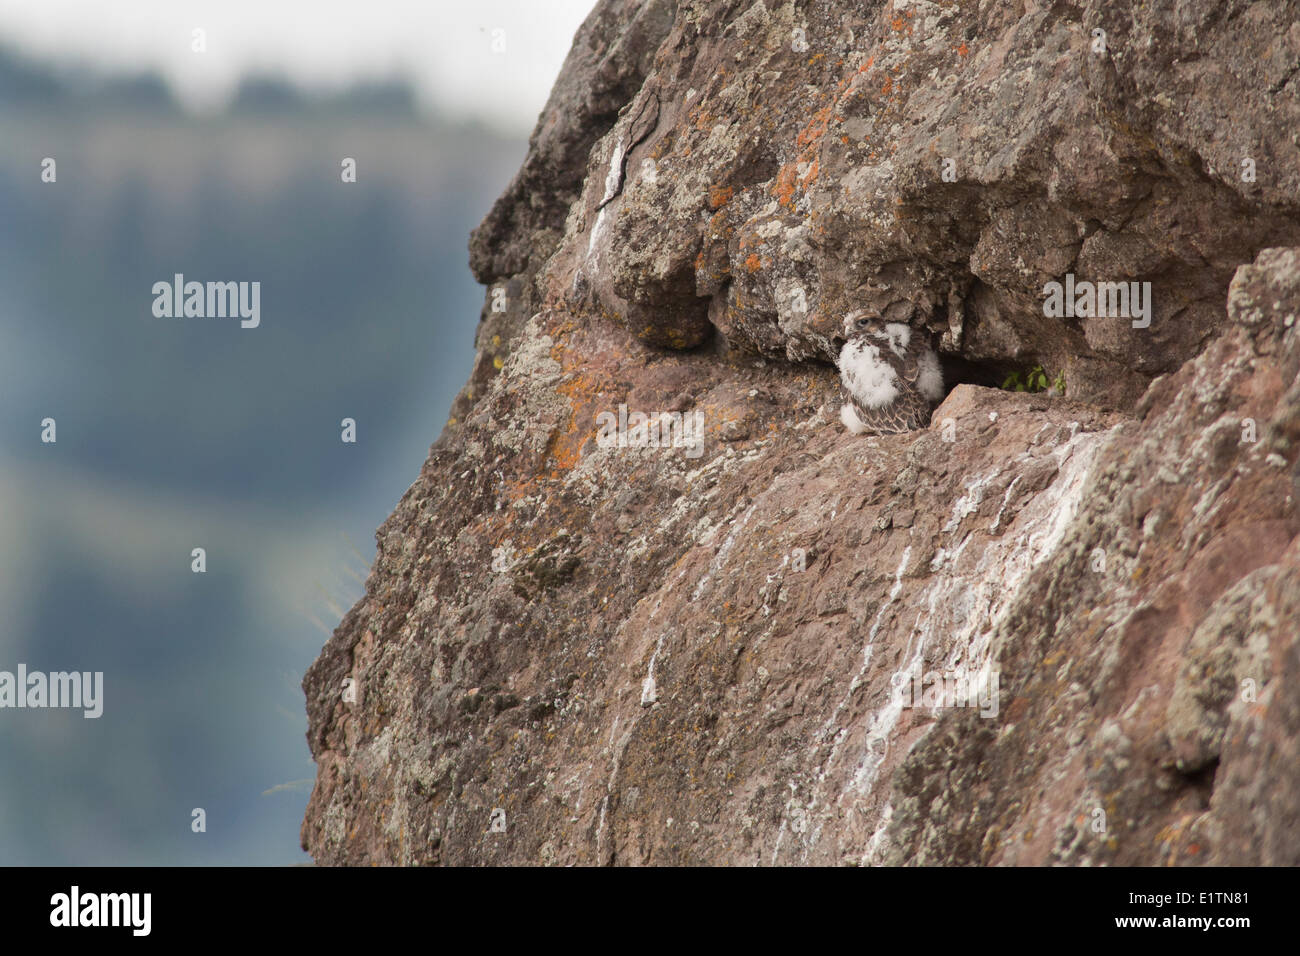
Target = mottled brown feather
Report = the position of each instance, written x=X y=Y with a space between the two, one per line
x=910 y=410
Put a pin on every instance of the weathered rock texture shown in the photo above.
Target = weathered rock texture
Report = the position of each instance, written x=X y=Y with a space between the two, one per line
x=571 y=652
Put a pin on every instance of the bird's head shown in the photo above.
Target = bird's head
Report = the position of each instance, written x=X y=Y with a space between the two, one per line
x=858 y=324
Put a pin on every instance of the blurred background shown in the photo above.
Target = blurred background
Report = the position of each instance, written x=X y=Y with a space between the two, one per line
x=172 y=434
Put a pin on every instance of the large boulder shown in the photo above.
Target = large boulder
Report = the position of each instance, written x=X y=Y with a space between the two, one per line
x=1049 y=628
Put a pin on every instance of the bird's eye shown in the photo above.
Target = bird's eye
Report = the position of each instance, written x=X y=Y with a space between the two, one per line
x=863 y=323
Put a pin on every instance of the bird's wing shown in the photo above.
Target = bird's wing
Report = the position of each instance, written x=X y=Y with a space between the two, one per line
x=910 y=367
x=906 y=413
x=915 y=407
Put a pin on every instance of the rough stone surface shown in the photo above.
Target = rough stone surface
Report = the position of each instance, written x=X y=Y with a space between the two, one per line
x=575 y=652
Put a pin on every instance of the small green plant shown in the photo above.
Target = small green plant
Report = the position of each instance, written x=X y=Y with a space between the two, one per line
x=1035 y=380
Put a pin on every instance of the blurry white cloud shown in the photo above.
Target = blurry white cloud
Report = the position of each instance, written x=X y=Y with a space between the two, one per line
x=445 y=46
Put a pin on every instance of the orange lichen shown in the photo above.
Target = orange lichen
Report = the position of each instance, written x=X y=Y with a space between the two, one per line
x=753 y=263
x=564 y=448
x=719 y=196
x=783 y=189
x=582 y=389
x=816 y=127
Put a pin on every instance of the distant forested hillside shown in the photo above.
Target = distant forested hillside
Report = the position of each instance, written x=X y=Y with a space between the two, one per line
x=180 y=433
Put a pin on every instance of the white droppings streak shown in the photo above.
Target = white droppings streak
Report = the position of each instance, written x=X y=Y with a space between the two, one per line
x=894 y=591
x=969 y=502
x=649 y=693
x=600 y=831
x=611 y=188
x=866 y=663
x=1005 y=498
x=963 y=608
x=721 y=556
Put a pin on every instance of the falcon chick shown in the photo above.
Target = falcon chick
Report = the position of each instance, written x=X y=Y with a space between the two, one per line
x=890 y=377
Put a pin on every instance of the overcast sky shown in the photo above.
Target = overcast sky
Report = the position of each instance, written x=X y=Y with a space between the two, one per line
x=444 y=46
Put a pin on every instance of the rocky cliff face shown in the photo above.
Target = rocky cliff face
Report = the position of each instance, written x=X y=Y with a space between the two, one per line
x=1050 y=628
